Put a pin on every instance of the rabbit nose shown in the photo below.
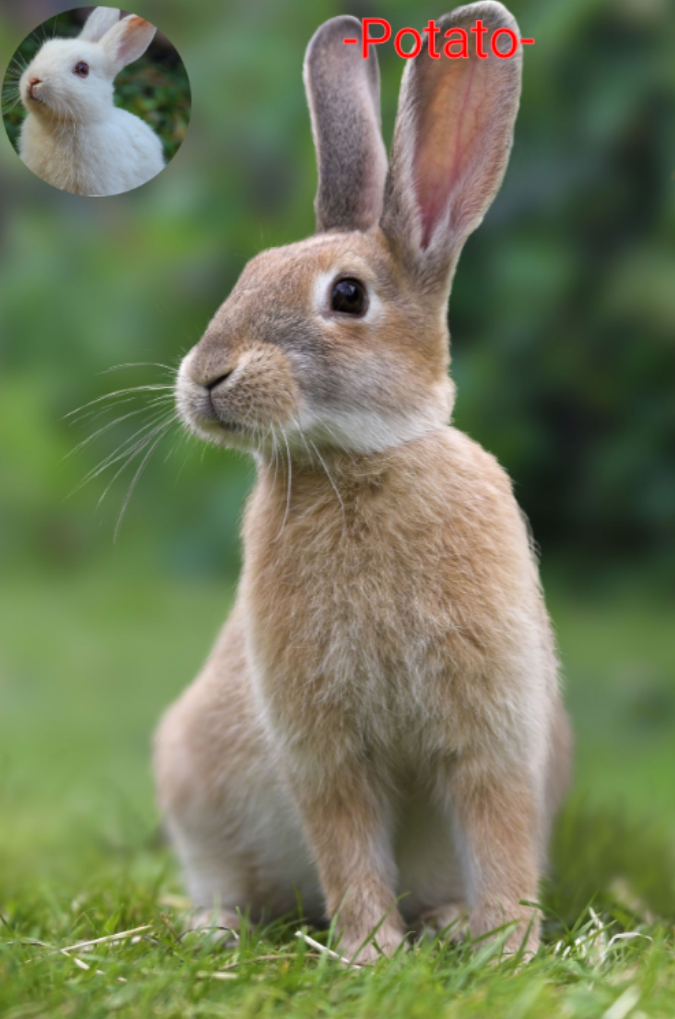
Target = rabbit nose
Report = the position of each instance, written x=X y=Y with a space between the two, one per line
x=214 y=383
x=32 y=82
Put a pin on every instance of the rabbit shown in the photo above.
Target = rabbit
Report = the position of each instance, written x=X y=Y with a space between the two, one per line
x=74 y=138
x=379 y=728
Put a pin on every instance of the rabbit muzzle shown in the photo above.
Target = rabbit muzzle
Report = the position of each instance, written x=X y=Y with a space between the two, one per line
x=232 y=397
x=35 y=88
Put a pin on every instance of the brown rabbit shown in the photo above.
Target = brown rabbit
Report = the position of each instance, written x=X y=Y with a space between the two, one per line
x=379 y=725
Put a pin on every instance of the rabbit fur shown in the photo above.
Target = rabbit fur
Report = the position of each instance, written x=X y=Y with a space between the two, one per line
x=379 y=727
x=74 y=138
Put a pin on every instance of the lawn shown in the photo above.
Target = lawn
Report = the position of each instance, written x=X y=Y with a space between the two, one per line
x=86 y=665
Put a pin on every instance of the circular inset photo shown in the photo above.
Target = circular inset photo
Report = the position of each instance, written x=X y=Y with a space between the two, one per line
x=96 y=101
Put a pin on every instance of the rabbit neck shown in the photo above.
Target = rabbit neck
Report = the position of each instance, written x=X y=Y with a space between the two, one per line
x=341 y=484
x=63 y=137
x=60 y=152
x=66 y=125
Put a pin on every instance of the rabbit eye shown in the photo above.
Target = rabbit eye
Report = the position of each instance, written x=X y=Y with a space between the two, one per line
x=81 y=69
x=349 y=296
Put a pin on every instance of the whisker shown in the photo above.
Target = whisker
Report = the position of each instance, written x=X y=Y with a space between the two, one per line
x=339 y=443
x=171 y=451
x=288 y=489
x=8 y=109
x=20 y=61
x=95 y=413
x=272 y=434
x=136 y=477
x=140 y=364
x=321 y=460
x=330 y=479
x=275 y=451
x=155 y=387
x=106 y=428
x=129 y=447
x=185 y=437
x=137 y=451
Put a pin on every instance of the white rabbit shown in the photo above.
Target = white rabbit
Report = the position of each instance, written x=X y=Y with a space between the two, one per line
x=74 y=137
x=379 y=726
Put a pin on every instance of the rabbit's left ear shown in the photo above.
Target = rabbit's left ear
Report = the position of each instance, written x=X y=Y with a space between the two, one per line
x=127 y=40
x=343 y=93
x=452 y=138
x=99 y=21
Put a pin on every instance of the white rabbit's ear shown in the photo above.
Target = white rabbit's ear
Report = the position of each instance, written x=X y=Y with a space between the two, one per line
x=343 y=93
x=452 y=138
x=98 y=23
x=128 y=40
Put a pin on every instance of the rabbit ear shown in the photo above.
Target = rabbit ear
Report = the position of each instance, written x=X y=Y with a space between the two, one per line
x=127 y=40
x=343 y=93
x=98 y=23
x=452 y=138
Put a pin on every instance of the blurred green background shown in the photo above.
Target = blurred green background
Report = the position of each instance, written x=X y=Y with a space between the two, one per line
x=563 y=324
x=155 y=87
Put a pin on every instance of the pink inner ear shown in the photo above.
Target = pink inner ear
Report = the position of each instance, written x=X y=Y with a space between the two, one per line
x=447 y=135
x=134 y=38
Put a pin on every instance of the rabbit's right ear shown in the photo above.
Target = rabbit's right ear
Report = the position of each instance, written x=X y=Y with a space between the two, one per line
x=452 y=138
x=98 y=23
x=127 y=40
x=343 y=93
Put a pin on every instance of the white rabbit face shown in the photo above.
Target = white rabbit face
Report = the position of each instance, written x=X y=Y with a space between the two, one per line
x=72 y=79
x=69 y=80
x=322 y=342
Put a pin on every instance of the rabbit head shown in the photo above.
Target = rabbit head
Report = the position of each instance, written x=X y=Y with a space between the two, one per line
x=72 y=79
x=341 y=341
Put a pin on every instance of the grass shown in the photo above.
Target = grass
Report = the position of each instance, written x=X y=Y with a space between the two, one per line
x=86 y=665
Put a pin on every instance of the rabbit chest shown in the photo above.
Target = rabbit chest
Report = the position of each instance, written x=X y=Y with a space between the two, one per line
x=390 y=617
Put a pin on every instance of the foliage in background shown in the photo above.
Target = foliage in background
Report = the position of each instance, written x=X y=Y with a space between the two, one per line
x=155 y=87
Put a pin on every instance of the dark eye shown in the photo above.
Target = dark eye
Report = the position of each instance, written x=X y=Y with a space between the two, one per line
x=81 y=69
x=349 y=296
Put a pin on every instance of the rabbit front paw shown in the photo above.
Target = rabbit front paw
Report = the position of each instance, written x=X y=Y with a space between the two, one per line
x=384 y=942
x=219 y=926
x=523 y=938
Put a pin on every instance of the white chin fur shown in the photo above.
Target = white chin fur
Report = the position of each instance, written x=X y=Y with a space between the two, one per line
x=364 y=432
